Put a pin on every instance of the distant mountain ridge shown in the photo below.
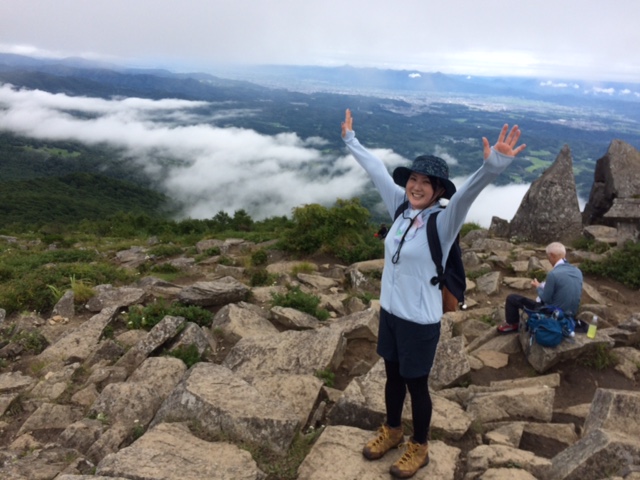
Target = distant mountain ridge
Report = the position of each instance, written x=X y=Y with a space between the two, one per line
x=405 y=111
x=331 y=78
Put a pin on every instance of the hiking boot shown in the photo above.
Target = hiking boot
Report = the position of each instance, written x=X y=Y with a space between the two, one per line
x=387 y=439
x=414 y=458
x=508 y=328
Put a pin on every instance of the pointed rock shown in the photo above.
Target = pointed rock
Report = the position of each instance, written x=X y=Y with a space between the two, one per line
x=549 y=212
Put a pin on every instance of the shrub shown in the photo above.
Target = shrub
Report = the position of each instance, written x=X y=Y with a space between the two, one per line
x=260 y=277
x=164 y=251
x=305 y=302
x=166 y=268
x=259 y=257
x=187 y=353
x=622 y=265
x=343 y=230
x=33 y=274
x=600 y=358
x=467 y=227
x=146 y=317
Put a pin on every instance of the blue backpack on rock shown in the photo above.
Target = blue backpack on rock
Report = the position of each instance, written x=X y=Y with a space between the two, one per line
x=549 y=326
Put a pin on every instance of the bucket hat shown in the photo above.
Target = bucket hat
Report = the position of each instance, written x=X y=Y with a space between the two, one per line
x=426 y=165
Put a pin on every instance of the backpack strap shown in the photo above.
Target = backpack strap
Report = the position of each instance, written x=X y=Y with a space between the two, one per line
x=401 y=208
x=436 y=249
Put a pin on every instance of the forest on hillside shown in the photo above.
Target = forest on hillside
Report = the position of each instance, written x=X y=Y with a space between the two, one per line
x=40 y=179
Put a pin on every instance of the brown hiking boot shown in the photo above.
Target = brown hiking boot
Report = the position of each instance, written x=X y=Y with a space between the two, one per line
x=387 y=439
x=416 y=457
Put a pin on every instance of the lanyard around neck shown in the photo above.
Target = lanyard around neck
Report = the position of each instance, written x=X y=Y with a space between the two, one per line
x=396 y=256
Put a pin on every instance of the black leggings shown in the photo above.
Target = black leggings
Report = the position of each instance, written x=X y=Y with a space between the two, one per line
x=395 y=391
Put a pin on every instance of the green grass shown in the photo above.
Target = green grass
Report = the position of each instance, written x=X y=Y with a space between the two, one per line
x=305 y=302
x=146 y=317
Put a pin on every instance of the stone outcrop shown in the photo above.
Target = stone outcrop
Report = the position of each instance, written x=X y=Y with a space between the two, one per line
x=614 y=199
x=100 y=408
x=549 y=211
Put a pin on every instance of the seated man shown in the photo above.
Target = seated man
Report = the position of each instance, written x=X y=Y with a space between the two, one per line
x=562 y=288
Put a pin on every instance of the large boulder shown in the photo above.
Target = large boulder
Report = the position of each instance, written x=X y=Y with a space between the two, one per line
x=550 y=211
x=616 y=177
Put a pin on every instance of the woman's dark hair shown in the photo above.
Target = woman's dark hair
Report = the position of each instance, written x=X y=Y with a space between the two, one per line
x=437 y=183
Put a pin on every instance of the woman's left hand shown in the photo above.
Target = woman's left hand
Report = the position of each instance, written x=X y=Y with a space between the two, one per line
x=506 y=144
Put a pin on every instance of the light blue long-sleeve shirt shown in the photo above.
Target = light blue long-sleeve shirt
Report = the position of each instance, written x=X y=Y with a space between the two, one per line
x=406 y=291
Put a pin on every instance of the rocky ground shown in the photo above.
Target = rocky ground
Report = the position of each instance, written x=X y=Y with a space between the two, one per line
x=579 y=379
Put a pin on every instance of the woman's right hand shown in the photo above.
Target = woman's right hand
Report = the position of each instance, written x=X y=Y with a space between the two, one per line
x=347 y=125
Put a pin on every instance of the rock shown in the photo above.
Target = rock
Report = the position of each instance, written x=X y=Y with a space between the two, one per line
x=549 y=211
x=598 y=454
x=450 y=365
x=616 y=176
x=484 y=457
x=318 y=282
x=81 y=341
x=293 y=319
x=164 y=330
x=65 y=307
x=224 y=404
x=517 y=403
x=543 y=358
x=337 y=454
x=615 y=410
x=236 y=322
x=171 y=452
x=219 y=292
x=290 y=352
x=489 y=283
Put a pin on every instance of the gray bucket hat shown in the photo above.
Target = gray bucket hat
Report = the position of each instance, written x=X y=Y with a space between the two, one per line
x=426 y=165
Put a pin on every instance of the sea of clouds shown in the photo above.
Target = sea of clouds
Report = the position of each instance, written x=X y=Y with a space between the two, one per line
x=213 y=168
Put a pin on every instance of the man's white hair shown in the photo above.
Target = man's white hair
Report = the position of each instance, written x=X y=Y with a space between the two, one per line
x=556 y=249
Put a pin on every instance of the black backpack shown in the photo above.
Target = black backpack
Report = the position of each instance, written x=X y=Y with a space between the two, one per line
x=452 y=275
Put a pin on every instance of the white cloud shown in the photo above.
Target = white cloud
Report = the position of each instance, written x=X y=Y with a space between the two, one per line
x=415 y=75
x=495 y=201
x=222 y=168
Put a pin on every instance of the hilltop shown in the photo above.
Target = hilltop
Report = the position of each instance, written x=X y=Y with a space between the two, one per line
x=96 y=368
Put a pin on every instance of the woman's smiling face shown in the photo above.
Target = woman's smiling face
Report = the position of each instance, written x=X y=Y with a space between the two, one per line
x=420 y=191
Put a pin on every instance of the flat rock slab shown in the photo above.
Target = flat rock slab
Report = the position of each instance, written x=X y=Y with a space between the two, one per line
x=223 y=403
x=337 y=455
x=171 y=452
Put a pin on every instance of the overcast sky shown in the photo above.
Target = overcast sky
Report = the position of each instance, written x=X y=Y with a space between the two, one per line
x=571 y=39
x=576 y=39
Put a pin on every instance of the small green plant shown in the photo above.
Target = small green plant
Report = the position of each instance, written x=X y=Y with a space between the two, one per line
x=600 y=358
x=473 y=274
x=259 y=257
x=327 y=376
x=165 y=268
x=81 y=291
x=218 y=332
x=623 y=265
x=227 y=261
x=303 y=267
x=138 y=430
x=212 y=252
x=260 y=277
x=284 y=467
x=305 y=302
x=102 y=418
x=31 y=340
x=488 y=319
x=189 y=354
x=146 y=317
x=165 y=251
x=55 y=292
x=467 y=227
